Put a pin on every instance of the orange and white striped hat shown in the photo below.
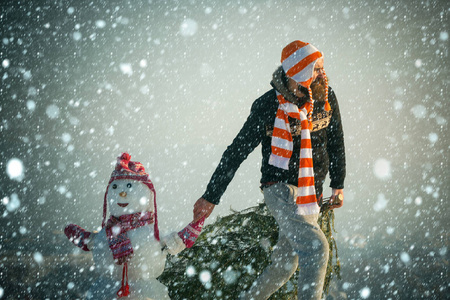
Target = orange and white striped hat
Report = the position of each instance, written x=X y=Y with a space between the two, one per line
x=298 y=60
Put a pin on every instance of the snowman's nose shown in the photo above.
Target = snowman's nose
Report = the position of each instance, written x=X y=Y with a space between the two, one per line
x=123 y=194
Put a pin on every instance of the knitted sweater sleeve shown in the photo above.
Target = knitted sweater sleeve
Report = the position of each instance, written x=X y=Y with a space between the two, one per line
x=243 y=144
x=335 y=146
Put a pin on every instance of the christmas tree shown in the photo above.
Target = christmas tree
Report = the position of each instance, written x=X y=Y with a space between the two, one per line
x=231 y=253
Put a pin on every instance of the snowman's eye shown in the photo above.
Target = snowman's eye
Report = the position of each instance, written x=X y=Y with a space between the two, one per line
x=114 y=186
x=129 y=185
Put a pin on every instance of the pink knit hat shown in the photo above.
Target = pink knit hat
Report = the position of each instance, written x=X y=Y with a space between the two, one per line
x=127 y=169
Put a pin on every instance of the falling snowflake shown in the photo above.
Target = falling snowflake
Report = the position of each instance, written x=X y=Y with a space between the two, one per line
x=188 y=28
x=15 y=169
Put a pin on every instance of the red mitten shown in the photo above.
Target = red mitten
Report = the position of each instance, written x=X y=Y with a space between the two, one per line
x=78 y=236
x=191 y=232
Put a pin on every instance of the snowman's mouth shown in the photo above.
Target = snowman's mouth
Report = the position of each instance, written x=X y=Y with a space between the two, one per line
x=122 y=204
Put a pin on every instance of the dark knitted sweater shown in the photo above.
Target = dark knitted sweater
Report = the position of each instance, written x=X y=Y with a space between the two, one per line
x=327 y=139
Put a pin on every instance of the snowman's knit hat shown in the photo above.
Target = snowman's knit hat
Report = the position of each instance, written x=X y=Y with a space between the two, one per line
x=127 y=169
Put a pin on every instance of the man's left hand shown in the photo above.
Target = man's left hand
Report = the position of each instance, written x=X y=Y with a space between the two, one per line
x=335 y=202
x=202 y=208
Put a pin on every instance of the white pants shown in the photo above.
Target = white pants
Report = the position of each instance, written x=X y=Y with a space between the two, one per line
x=301 y=243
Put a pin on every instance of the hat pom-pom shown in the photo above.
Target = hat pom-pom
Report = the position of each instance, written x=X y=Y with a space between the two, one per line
x=125 y=156
x=122 y=161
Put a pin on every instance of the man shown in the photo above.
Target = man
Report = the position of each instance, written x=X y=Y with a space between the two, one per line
x=299 y=127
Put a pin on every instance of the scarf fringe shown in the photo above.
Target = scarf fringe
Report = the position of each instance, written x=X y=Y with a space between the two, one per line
x=124 y=290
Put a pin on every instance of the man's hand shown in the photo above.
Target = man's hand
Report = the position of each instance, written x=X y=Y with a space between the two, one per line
x=202 y=208
x=335 y=202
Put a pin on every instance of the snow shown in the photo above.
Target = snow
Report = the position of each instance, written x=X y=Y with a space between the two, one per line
x=27 y=75
x=38 y=257
x=418 y=63
x=398 y=105
x=15 y=169
x=188 y=27
x=126 y=69
x=346 y=285
x=364 y=293
x=190 y=271
x=66 y=137
x=22 y=230
x=419 y=111
x=12 y=203
x=433 y=137
x=242 y=10
x=205 y=276
x=390 y=230
x=418 y=200
x=6 y=63
x=52 y=111
x=143 y=63
x=41 y=200
x=405 y=258
x=381 y=203
x=31 y=105
x=382 y=169
x=230 y=276
x=62 y=189
x=77 y=36
x=394 y=75
x=100 y=23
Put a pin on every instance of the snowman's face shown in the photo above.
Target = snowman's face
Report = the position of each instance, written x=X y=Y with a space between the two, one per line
x=129 y=196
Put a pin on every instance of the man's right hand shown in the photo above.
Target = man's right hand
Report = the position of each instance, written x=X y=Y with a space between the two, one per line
x=202 y=208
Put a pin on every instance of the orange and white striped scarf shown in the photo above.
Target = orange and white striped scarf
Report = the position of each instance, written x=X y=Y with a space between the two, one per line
x=282 y=148
x=298 y=60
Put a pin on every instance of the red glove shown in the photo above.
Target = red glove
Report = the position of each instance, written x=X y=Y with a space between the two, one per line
x=191 y=232
x=78 y=236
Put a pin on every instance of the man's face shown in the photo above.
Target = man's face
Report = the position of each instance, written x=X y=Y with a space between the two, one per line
x=318 y=70
x=318 y=86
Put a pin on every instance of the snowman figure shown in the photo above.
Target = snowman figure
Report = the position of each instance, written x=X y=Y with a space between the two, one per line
x=128 y=252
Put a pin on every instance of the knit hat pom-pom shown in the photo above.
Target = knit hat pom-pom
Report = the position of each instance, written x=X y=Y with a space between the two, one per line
x=125 y=156
x=122 y=161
